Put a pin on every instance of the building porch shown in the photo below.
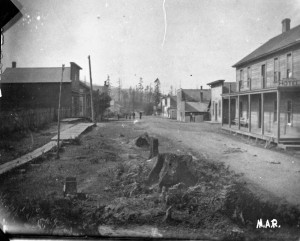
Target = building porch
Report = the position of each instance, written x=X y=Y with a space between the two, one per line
x=272 y=115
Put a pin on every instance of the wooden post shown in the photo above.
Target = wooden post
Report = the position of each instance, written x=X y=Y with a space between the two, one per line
x=58 y=112
x=249 y=113
x=262 y=115
x=229 y=113
x=239 y=114
x=91 y=91
x=222 y=113
x=278 y=116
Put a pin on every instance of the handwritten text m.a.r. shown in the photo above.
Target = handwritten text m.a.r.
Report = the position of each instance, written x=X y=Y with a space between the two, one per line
x=268 y=224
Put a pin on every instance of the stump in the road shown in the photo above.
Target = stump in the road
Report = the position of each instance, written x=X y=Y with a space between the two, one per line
x=171 y=169
x=143 y=140
x=153 y=147
x=70 y=187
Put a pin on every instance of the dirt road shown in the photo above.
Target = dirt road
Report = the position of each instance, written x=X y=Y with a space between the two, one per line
x=275 y=176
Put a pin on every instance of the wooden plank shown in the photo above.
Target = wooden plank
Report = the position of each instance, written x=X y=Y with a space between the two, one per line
x=27 y=158
x=74 y=132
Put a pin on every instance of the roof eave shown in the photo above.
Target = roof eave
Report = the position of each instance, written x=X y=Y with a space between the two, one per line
x=239 y=63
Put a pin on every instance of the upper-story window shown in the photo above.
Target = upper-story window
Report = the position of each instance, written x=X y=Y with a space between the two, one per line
x=289 y=66
x=276 y=70
x=248 y=76
x=241 y=78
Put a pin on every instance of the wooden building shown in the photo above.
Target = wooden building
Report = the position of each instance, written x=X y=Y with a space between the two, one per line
x=193 y=102
x=172 y=107
x=34 y=88
x=218 y=88
x=266 y=102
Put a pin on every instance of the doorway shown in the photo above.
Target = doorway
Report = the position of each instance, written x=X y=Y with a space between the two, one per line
x=216 y=111
x=259 y=112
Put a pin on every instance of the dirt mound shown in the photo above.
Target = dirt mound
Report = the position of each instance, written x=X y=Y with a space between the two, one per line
x=171 y=169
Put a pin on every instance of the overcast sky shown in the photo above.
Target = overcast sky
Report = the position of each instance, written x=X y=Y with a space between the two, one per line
x=185 y=43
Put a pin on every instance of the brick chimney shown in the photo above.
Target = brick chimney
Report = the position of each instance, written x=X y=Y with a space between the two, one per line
x=286 y=25
x=14 y=64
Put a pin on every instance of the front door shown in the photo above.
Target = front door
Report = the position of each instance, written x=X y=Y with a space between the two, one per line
x=216 y=112
x=259 y=112
x=81 y=106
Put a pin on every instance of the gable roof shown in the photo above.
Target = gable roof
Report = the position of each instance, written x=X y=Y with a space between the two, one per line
x=282 y=41
x=216 y=82
x=84 y=84
x=35 y=75
x=196 y=107
x=193 y=95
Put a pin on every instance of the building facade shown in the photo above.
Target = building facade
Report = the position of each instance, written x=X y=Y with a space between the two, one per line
x=218 y=88
x=33 y=88
x=193 y=105
x=266 y=102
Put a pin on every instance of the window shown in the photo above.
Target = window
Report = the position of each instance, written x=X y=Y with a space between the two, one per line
x=289 y=112
x=289 y=66
x=241 y=78
x=275 y=111
x=248 y=76
x=263 y=75
x=276 y=70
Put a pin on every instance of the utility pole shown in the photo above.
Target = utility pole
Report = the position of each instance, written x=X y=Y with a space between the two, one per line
x=58 y=114
x=91 y=91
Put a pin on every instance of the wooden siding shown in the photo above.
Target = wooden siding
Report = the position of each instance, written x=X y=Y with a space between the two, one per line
x=293 y=130
x=296 y=64
x=256 y=79
x=35 y=95
x=270 y=73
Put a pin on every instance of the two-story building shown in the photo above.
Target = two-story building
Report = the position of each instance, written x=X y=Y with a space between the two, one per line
x=218 y=88
x=34 y=88
x=266 y=102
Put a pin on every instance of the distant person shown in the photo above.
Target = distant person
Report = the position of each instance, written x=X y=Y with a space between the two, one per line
x=129 y=116
x=133 y=115
x=141 y=115
x=194 y=117
x=126 y=116
x=118 y=116
x=191 y=117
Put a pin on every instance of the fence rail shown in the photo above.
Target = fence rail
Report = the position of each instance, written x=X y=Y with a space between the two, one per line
x=20 y=120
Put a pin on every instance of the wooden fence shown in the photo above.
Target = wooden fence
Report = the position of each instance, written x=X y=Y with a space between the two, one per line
x=22 y=120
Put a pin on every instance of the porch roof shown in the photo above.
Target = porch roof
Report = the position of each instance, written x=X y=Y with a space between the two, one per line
x=261 y=91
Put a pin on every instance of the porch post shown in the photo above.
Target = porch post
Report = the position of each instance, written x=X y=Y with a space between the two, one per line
x=262 y=115
x=222 y=111
x=249 y=113
x=239 y=114
x=278 y=116
x=229 y=113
